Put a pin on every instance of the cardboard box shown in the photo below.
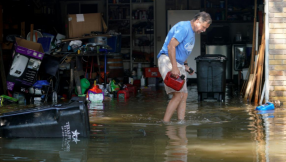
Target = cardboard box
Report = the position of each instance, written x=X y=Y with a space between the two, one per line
x=152 y=73
x=27 y=58
x=80 y=24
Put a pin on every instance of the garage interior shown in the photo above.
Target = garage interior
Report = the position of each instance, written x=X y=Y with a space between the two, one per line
x=115 y=47
x=135 y=30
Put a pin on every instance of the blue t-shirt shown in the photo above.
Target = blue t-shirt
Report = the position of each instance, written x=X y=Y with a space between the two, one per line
x=185 y=35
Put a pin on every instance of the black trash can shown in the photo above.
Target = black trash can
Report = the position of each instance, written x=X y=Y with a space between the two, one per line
x=69 y=121
x=211 y=76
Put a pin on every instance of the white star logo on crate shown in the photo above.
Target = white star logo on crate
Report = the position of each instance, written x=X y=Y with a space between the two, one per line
x=70 y=135
x=74 y=136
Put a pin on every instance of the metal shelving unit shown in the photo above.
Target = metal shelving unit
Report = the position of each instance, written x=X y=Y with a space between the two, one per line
x=132 y=5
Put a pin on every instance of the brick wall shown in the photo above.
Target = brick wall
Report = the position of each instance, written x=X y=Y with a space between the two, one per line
x=277 y=50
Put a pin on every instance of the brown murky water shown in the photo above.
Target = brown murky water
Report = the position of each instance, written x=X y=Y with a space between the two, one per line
x=123 y=131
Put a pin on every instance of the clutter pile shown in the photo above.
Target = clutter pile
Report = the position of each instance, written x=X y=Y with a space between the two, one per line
x=49 y=67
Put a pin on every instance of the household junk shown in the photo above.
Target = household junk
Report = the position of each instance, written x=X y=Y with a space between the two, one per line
x=95 y=94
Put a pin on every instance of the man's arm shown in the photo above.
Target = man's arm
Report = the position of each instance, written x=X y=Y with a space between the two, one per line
x=172 y=55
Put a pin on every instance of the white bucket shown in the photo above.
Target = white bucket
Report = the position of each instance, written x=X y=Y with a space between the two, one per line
x=244 y=73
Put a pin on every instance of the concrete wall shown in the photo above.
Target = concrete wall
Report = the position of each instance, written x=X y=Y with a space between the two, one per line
x=277 y=50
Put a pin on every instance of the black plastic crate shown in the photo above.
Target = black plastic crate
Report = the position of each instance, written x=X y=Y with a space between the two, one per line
x=211 y=76
x=69 y=120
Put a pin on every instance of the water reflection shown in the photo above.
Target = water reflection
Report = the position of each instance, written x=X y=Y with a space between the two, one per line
x=132 y=130
x=176 y=149
x=43 y=149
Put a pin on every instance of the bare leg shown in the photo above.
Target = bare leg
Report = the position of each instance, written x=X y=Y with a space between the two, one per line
x=182 y=107
x=172 y=106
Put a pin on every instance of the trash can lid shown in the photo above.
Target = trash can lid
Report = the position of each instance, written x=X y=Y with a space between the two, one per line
x=211 y=57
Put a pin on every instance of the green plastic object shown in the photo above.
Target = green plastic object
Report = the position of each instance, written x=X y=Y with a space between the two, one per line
x=114 y=86
x=85 y=84
x=6 y=99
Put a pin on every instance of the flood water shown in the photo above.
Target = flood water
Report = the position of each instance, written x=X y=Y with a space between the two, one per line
x=123 y=131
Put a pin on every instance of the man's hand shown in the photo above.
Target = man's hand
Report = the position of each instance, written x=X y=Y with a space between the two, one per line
x=175 y=72
x=188 y=70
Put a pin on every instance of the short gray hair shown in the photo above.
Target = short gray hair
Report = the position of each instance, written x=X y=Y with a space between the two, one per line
x=203 y=17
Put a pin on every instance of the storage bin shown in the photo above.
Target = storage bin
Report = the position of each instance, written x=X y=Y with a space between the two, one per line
x=123 y=94
x=115 y=43
x=66 y=121
x=211 y=76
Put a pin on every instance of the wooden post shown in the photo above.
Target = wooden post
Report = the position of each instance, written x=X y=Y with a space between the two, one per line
x=251 y=78
x=251 y=83
x=254 y=77
x=260 y=66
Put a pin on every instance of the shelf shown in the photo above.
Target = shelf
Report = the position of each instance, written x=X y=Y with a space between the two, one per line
x=219 y=21
x=142 y=46
x=214 y=9
x=232 y=21
x=118 y=4
x=119 y=20
x=142 y=19
x=126 y=25
x=139 y=35
x=141 y=62
x=135 y=3
x=240 y=12
x=239 y=21
x=136 y=62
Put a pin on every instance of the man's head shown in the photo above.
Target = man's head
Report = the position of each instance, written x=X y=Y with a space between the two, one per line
x=201 y=22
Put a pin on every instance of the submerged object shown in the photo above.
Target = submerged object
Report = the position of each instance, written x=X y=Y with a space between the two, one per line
x=69 y=120
x=6 y=100
x=266 y=106
x=123 y=94
x=95 y=94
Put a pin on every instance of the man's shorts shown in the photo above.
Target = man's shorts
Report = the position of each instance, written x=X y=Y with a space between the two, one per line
x=165 y=66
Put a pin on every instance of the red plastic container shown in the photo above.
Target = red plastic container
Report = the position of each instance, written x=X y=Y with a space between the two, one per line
x=137 y=82
x=152 y=72
x=174 y=83
x=131 y=88
x=123 y=94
